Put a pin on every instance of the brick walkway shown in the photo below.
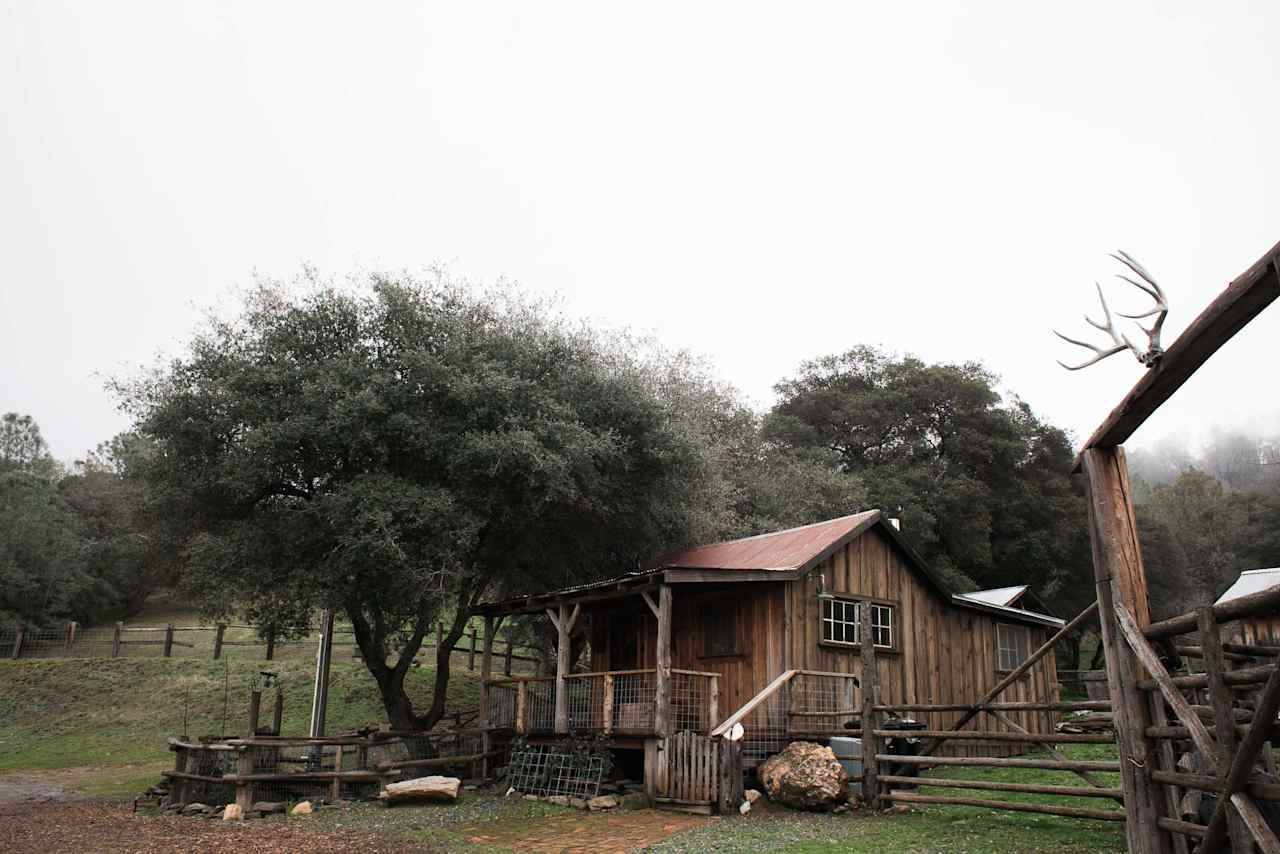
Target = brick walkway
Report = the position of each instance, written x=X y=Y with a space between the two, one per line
x=615 y=832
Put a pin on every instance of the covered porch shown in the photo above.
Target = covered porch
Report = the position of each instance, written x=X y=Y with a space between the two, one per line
x=651 y=702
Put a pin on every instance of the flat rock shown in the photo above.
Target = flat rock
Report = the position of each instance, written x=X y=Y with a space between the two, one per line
x=268 y=807
x=194 y=809
x=752 y=795
x=634 y=801
x=602 y=802
x=432 y=788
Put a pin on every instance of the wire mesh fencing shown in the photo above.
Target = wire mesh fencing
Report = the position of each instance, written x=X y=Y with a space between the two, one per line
x=692 y=708
x=547 y=771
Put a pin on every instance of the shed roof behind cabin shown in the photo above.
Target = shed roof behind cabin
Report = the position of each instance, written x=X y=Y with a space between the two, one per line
x=779 y=550
x=1251 y=581
x=1004 y=596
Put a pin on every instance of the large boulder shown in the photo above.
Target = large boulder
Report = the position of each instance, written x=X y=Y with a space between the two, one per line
x=433 y=788
x=806 y=776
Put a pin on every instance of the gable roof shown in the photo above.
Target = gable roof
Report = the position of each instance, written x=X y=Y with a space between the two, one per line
x=1251 y=581
x=1005 y=596
x=776 y=556
x=786 y=550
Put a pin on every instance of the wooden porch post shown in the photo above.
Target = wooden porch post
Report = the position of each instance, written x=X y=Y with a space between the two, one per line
x=1121 y=580
x=564 y=626
x=662 y=687
x=486 y=673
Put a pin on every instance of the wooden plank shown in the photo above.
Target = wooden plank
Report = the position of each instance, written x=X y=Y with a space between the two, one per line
x=1242 y=300
x=996 y=786
x=1022 y=736
x=1012 y=806
x=1120 y=582
x=1000 y=762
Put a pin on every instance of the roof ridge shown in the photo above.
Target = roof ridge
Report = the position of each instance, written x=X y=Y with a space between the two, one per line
x=779 y=532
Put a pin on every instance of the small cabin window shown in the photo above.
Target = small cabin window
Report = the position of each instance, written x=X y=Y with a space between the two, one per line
x=720 y=632
x=841 y=619
x=1012 y=643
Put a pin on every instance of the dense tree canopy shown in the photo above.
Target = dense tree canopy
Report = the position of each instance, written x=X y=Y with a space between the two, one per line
x=399 y=451
x=984 y=485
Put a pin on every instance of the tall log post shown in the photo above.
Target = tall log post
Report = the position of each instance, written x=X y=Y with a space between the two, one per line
x=71 y=634
x=19 y=633
x=255 y=710
x=168 y=640
x=115 y=640
x=244 y=767
x=471 y=650
x=217 y=640
x=1121 y=579
x=486 y=673
x=606 y=712
x=277 y=712
x=271 y=642
x=522 y=701
x=713 y=700
x=562 y=668
x=662 y=688
x=506 y=660
x=870 y=718
x=1220 y=699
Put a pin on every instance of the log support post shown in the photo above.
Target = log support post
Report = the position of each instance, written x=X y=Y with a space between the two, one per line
x=115 y=640
x=71 y=634
x=1121 y=580
x=471 y=650
x=713 y=703
x=506 y=659
x=335 y=792
x=277 y=713
x=730 y=774
x=19 y=634
x=486 y=673
x=522 y=704
x=271 y=642
x=662 y=686
x=168 y=640
x=244 y=768
x=218 y=635
x=606 y=712
x=870 y=717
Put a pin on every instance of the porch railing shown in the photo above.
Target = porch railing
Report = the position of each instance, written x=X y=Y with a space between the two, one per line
x=621 y=702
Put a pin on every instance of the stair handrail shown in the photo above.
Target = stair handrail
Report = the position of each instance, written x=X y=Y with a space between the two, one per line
x=768 y=691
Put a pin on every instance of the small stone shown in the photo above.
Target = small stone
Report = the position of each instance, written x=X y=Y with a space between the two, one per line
x=843 y=808
x=194 y=809
x=531 y=798
x=233 y=812
x=602 y=802
x=561 y=800
x=752 y=795
x=744 y=807
x=267 y=807
x=634 y=801
x=303 y=808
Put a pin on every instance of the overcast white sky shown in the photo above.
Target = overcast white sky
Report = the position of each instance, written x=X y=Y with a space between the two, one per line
x=759 y=183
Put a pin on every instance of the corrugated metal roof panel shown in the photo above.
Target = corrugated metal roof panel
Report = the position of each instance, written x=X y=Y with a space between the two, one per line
x=780 y=550
x=1251 y=581
x=1005 y=596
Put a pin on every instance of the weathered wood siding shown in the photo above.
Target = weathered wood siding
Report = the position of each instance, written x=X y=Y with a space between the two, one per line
x=942 y=654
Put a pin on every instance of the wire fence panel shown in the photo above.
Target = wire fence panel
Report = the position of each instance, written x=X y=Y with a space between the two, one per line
x=547 y=771
x=634 y=701
x=691 y=701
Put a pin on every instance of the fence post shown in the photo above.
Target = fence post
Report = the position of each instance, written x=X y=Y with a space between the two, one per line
x=506 y=662
x=244 y=788
x=870 y=718
x=335 y=793
x=168 y=640
x=255 y=709
x=19 y=632
x=217 y=641
x=115 y=640
x=271 y=642
x=471 y=653
x=731 y=775
x=277 y=714
x=71 y=634
x=713 y=710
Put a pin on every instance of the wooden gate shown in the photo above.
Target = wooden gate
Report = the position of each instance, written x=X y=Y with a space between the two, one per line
x=688 y=769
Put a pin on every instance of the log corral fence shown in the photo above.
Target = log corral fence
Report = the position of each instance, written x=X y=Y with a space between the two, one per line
x=1205 y=732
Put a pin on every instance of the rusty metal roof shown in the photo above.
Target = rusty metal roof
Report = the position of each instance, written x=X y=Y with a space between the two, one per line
x=779 y=550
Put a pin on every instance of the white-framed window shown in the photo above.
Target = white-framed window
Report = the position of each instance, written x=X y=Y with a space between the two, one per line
x=1012 y=643
x=841 y=618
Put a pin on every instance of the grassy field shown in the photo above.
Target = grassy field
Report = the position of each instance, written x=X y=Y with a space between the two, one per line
x=98 y=726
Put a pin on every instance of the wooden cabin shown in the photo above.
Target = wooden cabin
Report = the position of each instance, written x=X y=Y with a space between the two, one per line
x=1263 y=629
x=766 y=631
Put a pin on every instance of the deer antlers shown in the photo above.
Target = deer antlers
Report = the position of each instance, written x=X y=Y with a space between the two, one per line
x=1148 y=357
